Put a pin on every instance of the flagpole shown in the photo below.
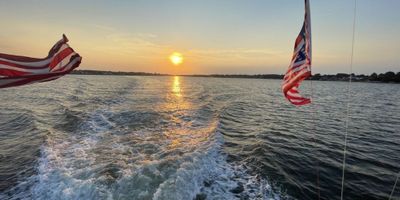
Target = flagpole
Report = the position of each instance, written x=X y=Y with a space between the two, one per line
x=313 y=110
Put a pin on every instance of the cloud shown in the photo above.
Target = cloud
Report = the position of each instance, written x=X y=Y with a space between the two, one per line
x=131 y=45
x=104 y=27
x=4 y=44
x=222 y=54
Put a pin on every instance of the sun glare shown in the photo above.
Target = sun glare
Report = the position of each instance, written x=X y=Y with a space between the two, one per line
x=176 y=58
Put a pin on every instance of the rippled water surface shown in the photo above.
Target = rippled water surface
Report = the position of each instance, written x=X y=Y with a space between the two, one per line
x=115 y=137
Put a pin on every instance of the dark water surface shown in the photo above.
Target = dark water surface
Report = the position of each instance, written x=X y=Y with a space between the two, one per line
x=115 y=137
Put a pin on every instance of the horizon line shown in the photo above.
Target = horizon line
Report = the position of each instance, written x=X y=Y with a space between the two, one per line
x=214 y=74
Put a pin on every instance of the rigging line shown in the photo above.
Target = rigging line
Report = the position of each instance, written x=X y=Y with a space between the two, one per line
x=348 y=98
x=314 y=111
x=394 y=187
x=313 y=116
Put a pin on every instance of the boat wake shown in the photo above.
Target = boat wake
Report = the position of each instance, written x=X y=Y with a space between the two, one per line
x=118 y=151
x=99 y=162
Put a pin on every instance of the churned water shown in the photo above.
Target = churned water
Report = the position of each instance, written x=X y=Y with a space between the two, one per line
x=116 y=137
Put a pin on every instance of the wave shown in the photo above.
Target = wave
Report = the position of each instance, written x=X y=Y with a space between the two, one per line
x=112 y=147
x=100 y=163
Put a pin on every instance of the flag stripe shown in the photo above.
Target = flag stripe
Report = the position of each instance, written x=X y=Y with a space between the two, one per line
x=29 y=79
x=32 y=65
x=60 y=57
x=20 y=70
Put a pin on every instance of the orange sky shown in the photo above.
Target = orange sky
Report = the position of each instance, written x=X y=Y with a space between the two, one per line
x=228 y=37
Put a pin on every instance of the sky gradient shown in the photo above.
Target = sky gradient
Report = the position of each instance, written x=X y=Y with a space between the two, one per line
x=214 y=36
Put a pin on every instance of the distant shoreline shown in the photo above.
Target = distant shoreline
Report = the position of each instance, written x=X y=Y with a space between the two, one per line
x=388 y=77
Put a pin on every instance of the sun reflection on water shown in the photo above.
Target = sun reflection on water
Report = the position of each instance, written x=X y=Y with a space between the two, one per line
x=176 y=87
x=176 y=102
x=183 y=131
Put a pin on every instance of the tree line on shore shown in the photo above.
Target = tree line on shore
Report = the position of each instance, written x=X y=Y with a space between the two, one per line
x=99 y=72
x=388 y=77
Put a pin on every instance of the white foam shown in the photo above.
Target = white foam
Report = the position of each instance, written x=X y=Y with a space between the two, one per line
x=210 y=167
x=143 y=164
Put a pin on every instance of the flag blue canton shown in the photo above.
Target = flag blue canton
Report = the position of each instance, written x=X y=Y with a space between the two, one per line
x=301 y=56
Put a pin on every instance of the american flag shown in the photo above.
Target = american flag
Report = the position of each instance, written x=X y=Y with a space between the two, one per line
x=20 y=70
x=300 y=67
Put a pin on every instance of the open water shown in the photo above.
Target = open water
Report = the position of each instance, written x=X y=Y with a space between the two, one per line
x=116 y=137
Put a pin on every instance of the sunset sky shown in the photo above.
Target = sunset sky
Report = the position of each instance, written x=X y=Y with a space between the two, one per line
x=213 y=36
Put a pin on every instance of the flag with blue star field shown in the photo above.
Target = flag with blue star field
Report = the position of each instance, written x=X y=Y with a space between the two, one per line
x=300 y=67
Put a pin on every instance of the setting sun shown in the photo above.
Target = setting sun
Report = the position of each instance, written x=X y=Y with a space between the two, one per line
x=176 y=58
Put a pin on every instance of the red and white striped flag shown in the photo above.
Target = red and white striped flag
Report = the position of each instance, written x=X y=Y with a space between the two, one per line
x=300 y=67
x=20 y=70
